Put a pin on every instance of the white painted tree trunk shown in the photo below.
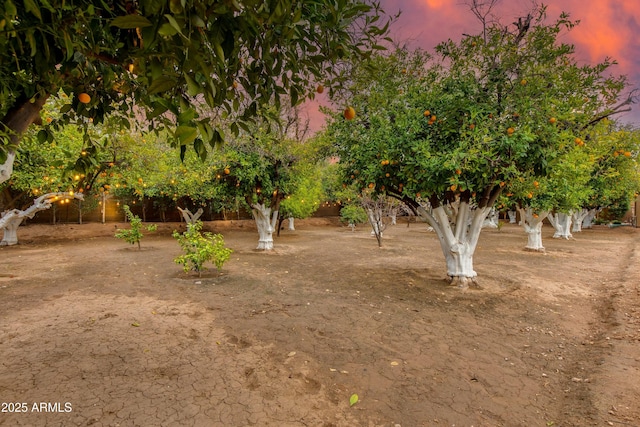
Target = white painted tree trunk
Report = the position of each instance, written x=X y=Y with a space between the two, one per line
x=577 y=219
x=561 y=222
x=458 y=239
x=587 y=222
x=265 y=224
x=512 y=217
x=11 y=220
x=6 y=168
x=393 y=215
x=492 y=219
x=190 y=217
x=532 y=224
x=377 y=224
x=291 y=226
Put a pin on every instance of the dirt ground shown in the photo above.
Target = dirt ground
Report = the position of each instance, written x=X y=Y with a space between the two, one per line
x=95 y=332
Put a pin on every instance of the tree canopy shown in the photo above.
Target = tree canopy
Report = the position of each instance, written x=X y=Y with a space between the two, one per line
x=159 y=61
x=458 y=127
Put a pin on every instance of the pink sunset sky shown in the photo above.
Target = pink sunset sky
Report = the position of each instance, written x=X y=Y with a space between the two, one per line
x=608 y=28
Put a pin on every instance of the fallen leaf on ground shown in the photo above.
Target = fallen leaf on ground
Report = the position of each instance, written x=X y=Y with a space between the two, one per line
x=353 y=399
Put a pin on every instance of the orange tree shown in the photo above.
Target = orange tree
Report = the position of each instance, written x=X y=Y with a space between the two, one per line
x=555 y=196
x=157 y=60
x=455 y=130
x=615 y=177
x=598 y=172
x=63 y=162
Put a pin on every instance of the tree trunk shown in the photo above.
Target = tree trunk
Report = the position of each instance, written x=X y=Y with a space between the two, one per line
x=375 y=219
x=291 y=224
x=265 y=225
x=104 y=208
x=492 y=219
x=587 y=222
x=458 y=239
x=577 y=219
x=532 y=224
x=11 y=220
x=15 y=123
x=512 y=217
x=561 y=222
x=189 y=217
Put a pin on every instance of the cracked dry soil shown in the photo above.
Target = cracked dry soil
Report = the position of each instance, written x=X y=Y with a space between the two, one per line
x=106 y=335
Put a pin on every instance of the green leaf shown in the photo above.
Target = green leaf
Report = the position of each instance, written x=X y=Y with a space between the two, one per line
x=32 y=42
x=197 y=21
x=174 y=23
x=31 y=6
x=353 y=399
x=186 y=134
x=131 y=22
x=193 y=88
x=167 y=30
x=161 y=84
x=42 y=136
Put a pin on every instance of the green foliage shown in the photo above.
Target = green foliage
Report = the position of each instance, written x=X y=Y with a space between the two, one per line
x=168 y=58
x=306 y=197
x=134 y=234
x=200 y=248
x=353 y=214
x=485 y=111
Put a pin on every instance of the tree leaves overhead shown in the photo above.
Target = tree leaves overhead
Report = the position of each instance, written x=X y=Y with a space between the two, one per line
x=168 y=57
x=475 y=116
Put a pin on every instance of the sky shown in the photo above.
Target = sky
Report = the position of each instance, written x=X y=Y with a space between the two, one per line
x=608 y=28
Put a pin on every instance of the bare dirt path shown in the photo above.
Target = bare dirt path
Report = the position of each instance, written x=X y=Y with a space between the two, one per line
x=106 y=335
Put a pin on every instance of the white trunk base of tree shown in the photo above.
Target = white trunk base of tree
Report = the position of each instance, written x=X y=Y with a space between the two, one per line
x=458 y=231
x=492 y=219
x=11 y=220
x=265 y=224
x=587 y=221
x=532 y=224
x=512 y=217
x=562 y=224
x=534 y=237
x=577 y=219
x=291 y=226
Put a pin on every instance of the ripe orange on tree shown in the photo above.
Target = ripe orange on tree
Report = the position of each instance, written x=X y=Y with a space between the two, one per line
x=84 y=98
x=510 y=131
x=320 y=89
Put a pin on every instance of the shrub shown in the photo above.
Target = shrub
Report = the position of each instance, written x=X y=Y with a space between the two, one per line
x=352 y=215
x=199 y=248
x=134 y=234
